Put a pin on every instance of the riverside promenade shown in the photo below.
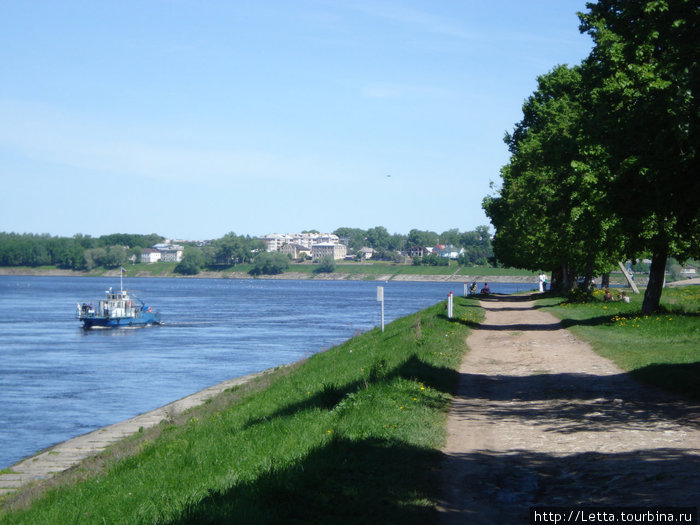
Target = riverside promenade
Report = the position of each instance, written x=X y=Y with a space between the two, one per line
x=540 y=419
x=68 y=454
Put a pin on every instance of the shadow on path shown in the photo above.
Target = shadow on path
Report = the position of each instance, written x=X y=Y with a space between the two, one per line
x=524 y=438
x=500 y=487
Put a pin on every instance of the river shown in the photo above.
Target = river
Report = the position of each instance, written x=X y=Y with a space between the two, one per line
x=58 y=381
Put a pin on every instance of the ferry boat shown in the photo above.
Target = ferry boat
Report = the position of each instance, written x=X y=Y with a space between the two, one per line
x=117 y=309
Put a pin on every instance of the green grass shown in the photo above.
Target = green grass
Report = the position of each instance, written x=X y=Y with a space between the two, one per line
x=154 y=269
x=487 y=271
x=350 y=435
x=370 y=270
x=661 y=349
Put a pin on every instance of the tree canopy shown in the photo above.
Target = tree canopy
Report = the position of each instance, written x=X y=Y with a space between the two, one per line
x=602 y=164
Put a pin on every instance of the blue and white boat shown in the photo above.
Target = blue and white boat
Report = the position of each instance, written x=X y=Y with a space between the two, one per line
x=117 y=309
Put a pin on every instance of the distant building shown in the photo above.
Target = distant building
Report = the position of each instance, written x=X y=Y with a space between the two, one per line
x=275 y=241
x=448 y=252
x=366 y=253
x=337 y=251
x=295 y=251
x=150 y=255
x=415 y=251
x=170 y=252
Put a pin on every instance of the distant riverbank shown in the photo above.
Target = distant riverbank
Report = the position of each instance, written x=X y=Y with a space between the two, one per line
x=348 y=272
x=386 y=273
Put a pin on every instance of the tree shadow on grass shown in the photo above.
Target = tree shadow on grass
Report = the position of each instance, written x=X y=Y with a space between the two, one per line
x=365 y=481
x=374 y=481
x=441 y=379
x=683 y=378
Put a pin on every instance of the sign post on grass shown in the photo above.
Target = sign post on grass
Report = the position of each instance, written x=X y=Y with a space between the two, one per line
x=380 y=298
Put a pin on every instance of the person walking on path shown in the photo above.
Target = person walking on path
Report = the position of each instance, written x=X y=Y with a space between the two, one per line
x=539 y=419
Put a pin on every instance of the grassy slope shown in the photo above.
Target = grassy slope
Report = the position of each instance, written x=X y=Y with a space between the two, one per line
x=351 y=435
x=369 y=270
x=661 y=349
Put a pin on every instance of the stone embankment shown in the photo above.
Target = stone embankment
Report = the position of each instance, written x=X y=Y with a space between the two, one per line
x=335 y=276
x=63 y=456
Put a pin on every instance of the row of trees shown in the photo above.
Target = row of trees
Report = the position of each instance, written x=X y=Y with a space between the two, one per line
x=476 y=243
x=231 y=249
x=602 y=164
x=80 y=252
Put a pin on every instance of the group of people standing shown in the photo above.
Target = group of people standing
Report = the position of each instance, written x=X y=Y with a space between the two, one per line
x=543 y=281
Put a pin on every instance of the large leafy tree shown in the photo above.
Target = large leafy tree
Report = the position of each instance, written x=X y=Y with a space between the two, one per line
x=355 y=237
x=192 y=261
x=232 y=248
x=378 y=238
x=421 y=238
x=270 y=263
x=550 y=212
x=644 y=73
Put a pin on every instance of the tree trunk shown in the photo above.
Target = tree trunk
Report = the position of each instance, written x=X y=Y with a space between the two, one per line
x=567 y=278
x=605 y=280
x=556 y=281
x=657 y=272
x=588 y=276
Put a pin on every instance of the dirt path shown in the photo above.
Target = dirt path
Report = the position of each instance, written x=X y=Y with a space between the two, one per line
x=540 y=419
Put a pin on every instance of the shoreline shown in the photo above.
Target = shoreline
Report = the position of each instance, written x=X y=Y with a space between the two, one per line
x=336 y=276
x=64 y=455
x=615 y=279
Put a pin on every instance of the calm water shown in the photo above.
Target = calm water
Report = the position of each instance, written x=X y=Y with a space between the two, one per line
x=58 y=381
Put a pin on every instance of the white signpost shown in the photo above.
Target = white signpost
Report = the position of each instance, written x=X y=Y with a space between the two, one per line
x=450 y=305
x=380 y=298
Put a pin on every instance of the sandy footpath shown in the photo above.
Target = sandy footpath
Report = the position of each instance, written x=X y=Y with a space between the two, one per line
x=540 y=419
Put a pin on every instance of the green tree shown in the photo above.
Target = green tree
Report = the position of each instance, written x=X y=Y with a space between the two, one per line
x=551 y=211
x=94 y=257
x=644 y=67
x=270 y=263
x=378 y=238
x=115 y=257
x=192 y=261
x=450 y=236
x=355 y=237
x=421 y=238
x=397 y=242
x=234 y=249
x=326 y=264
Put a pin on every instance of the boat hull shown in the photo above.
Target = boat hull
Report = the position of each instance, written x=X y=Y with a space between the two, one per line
x=147 y=318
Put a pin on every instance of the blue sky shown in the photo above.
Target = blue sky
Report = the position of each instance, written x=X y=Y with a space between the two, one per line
x=192 y=119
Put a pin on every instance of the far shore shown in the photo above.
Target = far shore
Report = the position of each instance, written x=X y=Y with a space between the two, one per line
x=615 y=278
x=335 y=276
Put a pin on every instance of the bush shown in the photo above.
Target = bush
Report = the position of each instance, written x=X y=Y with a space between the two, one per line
x=326 y=265
x=270 y=263
x=192 y=261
